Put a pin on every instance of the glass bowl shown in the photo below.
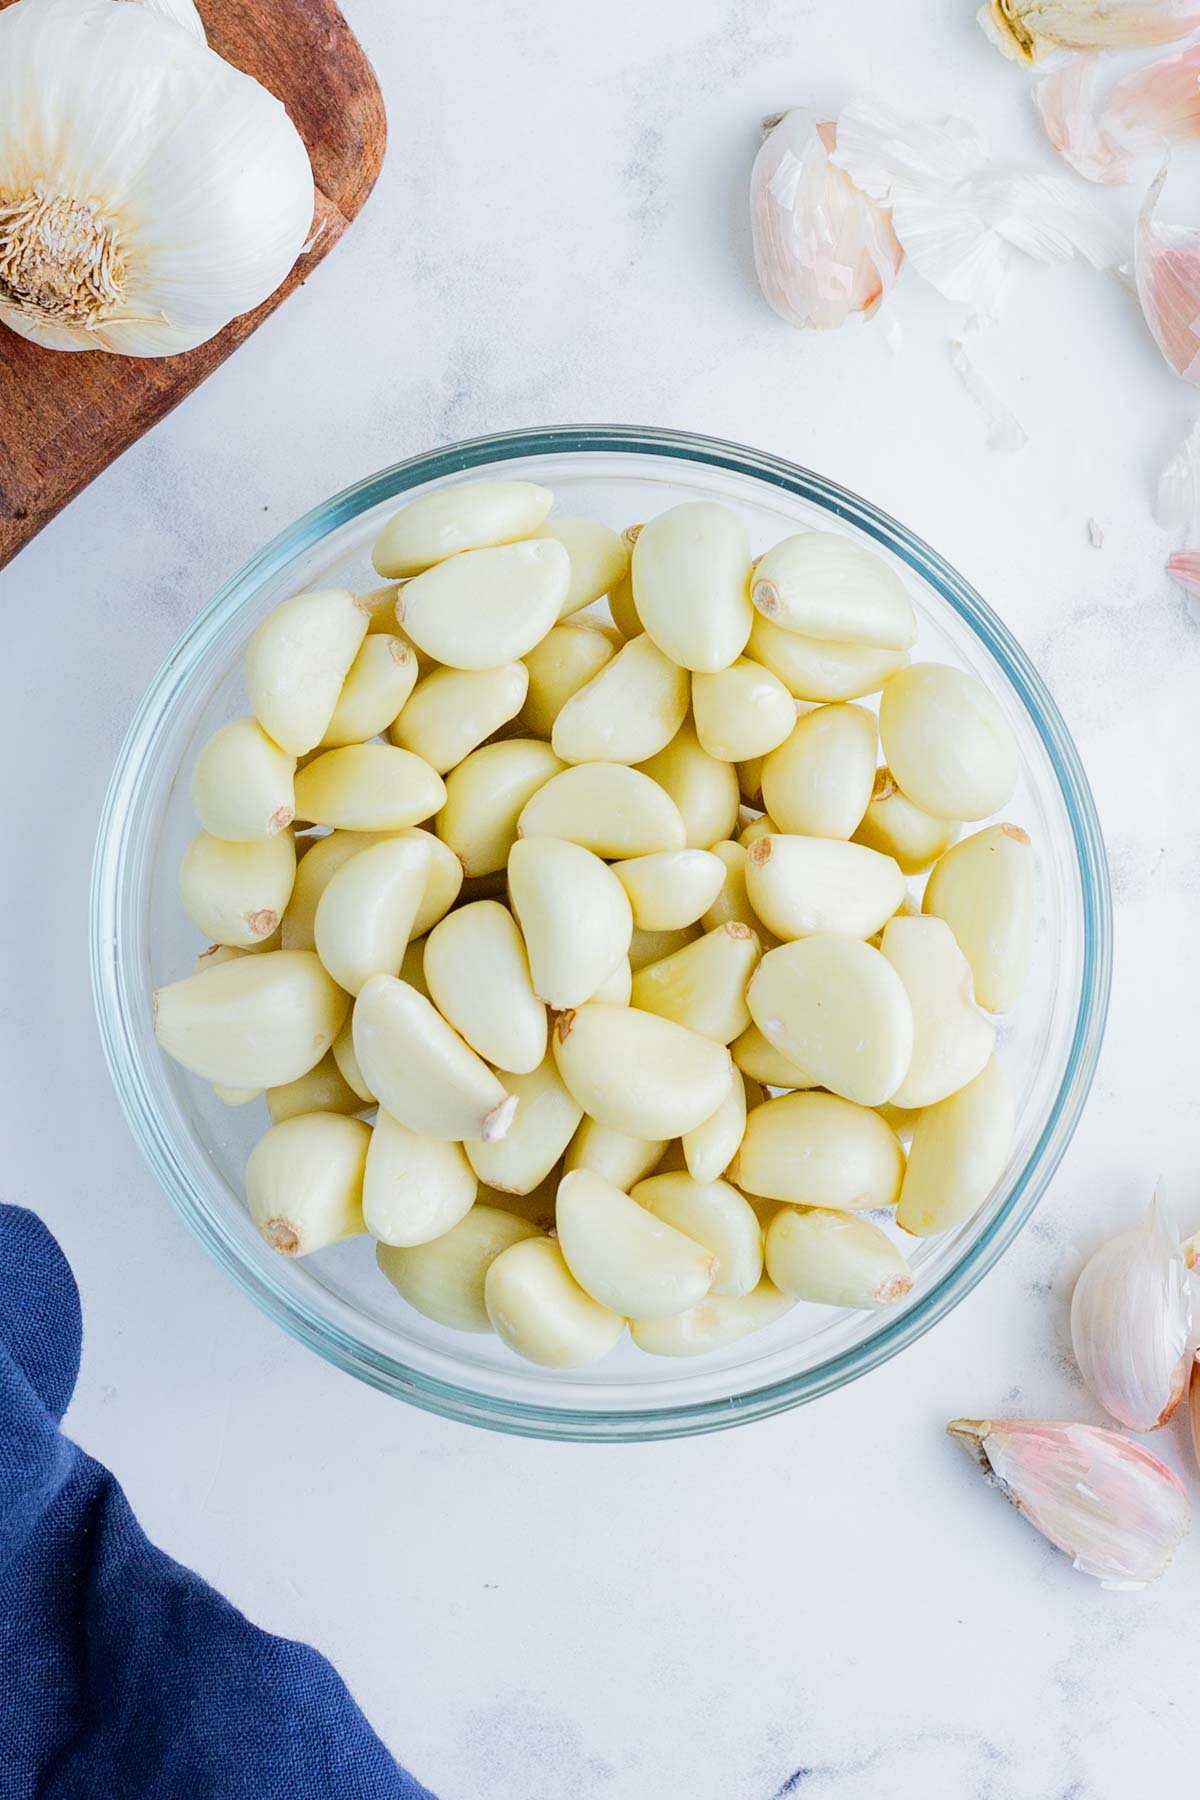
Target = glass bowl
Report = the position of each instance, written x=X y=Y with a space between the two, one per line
x=338 y=1302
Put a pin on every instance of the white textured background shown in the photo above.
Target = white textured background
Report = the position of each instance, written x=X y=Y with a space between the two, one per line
x=560 y=235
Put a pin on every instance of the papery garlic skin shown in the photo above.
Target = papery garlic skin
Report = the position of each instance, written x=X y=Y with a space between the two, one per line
x=1131 y=1316
x=1117 y=1511
x=1166 y=267
x=1027 y=30
x=823 y=250
x=141 y=225
x=1184 y=570
x=1068 y=104
x=182 y=11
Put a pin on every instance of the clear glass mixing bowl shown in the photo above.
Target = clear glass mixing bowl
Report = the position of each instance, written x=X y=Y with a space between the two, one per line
x=337 y=1302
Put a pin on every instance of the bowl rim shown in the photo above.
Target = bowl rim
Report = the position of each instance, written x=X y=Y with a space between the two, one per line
x=524 y=1418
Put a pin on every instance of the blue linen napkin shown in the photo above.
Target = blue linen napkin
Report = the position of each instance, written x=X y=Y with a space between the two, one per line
x=122 y=1675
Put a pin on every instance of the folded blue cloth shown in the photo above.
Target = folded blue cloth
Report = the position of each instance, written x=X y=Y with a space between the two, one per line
x=122 y=1675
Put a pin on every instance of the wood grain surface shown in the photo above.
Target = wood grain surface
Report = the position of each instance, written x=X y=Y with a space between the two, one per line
x=64 y=416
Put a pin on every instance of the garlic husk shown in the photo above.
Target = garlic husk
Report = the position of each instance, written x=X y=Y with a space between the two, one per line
x=1026 y=30
x=1184 y=570
x=142 y=224
x=183 y=13
x=1166 y=266
x=1131 y=1316
x=1117 y=1511
x=1177 y=500
x=1158 y=104
x=822 y=249
x=1068 y=103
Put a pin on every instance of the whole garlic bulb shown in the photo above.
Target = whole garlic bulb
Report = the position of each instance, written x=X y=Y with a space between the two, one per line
x=149 y=192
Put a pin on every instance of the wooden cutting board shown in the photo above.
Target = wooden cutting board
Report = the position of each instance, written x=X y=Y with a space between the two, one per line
x=64 y=416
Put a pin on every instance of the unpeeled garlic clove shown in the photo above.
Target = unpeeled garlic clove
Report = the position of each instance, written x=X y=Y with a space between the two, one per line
x=947 y=742
x=565 y=661
x=574 y=916
x=1166 y=266
x=690 y=570
x=610 y=809
x=323 y=1089
x=444 y=1278
x=835 y=1259
x=415 y=1187
x=483 y=608
x=704 y=789
x=377 y=684
x=452 y=711
x=951 y=1038
x=703 y=986
x=304 y=1181
x=478 y=977
x=485 y=797
x=802 y=886
x=958 y=1153
x=669 y=889
x=716 y=1216
x=368 y=787
x=471 y=515
x=615 y=1155
x=819 y=1150
x=242 y=786
x=897 y=828
x=627 y=712
x=623 y=1255
x=709 y=1148
x=822 y=249
x=837 y=1008
x=420 y=1069
x=236 y=893
x=366 y=915
x=1027 y=30
x=1131 y=1316
x=1116 y=1511
x=982 y=887
x=819 y=669
x=741 y=712
x=599 y=559
x=541 y=1312
x=297 y=663
x=638 y=1073
x=544 y=1124
x=822 y=585
x=818 y=782
x=256 y=1022
x=720 y=1319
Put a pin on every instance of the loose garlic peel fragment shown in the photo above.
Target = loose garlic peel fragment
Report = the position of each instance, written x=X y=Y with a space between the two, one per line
x=304 y=1181
x=145 y=241
x=834 y=1259
x=625 y=1256
x=1118 y=1512
x=1131 y=1319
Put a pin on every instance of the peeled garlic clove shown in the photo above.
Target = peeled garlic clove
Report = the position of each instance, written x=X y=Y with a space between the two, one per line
x=599 y=559
x=757 y=1058
x=691 y=568
x=379 y=604
x=485 y=797
x=958 y=1153
x=709 y=1148
x=623 y=1255
x=800 y=886
x=620 y=597
x=822 y=249
x=720 y=1319
x=236 y=893
x=443 y=879
x=452 y=711
x=983 y=889
x=444 y=1278
x=472 y=515
x=638 y=1073
x=1118 y=1512
x=257 y=1022
x=703 y=986
x=1026 y=30
x=377 y=684
x=838 y=1009
x=615 y=1155
x=607 y=808
x=823 y=586
x=242 y=784
x=716 y=1217
x=348 y=1068
x=896 y=828
x=538 y=1308
x=323 y=1089
x=368 y=787
x=819 y=1150
x=616 y=989
x=651 y=946
x=704 y=790
x=835 y=1259
x=366 y=914
x=304 y=1181
x=483 y=608
x=544 y=1124
x=742 y=711
x=574 y=916
x=732 y=904
x=1131 y=1316
x=415 y=1187
x=670 y=888
x=951 y=1039
x=819 y=669
x=420 y=1069
x=762 y=826
x=235 y=1096
x=297 y=662
x=946 y=742
x=478 y=976
x=818 y=783
x=627 y=712
x=566 y=660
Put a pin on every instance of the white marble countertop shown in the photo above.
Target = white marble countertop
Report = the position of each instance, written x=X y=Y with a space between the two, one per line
x=831 y=1603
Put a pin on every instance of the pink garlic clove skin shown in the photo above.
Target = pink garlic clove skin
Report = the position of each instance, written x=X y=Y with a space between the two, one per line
x=1068 y=102
x=1160 y=103
x=1117 y=1511
x=1155 y=105
x=1166 y=267
x=1131 y=1317
x=1184 y=570
x=822 y=249
x=1029 y=29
